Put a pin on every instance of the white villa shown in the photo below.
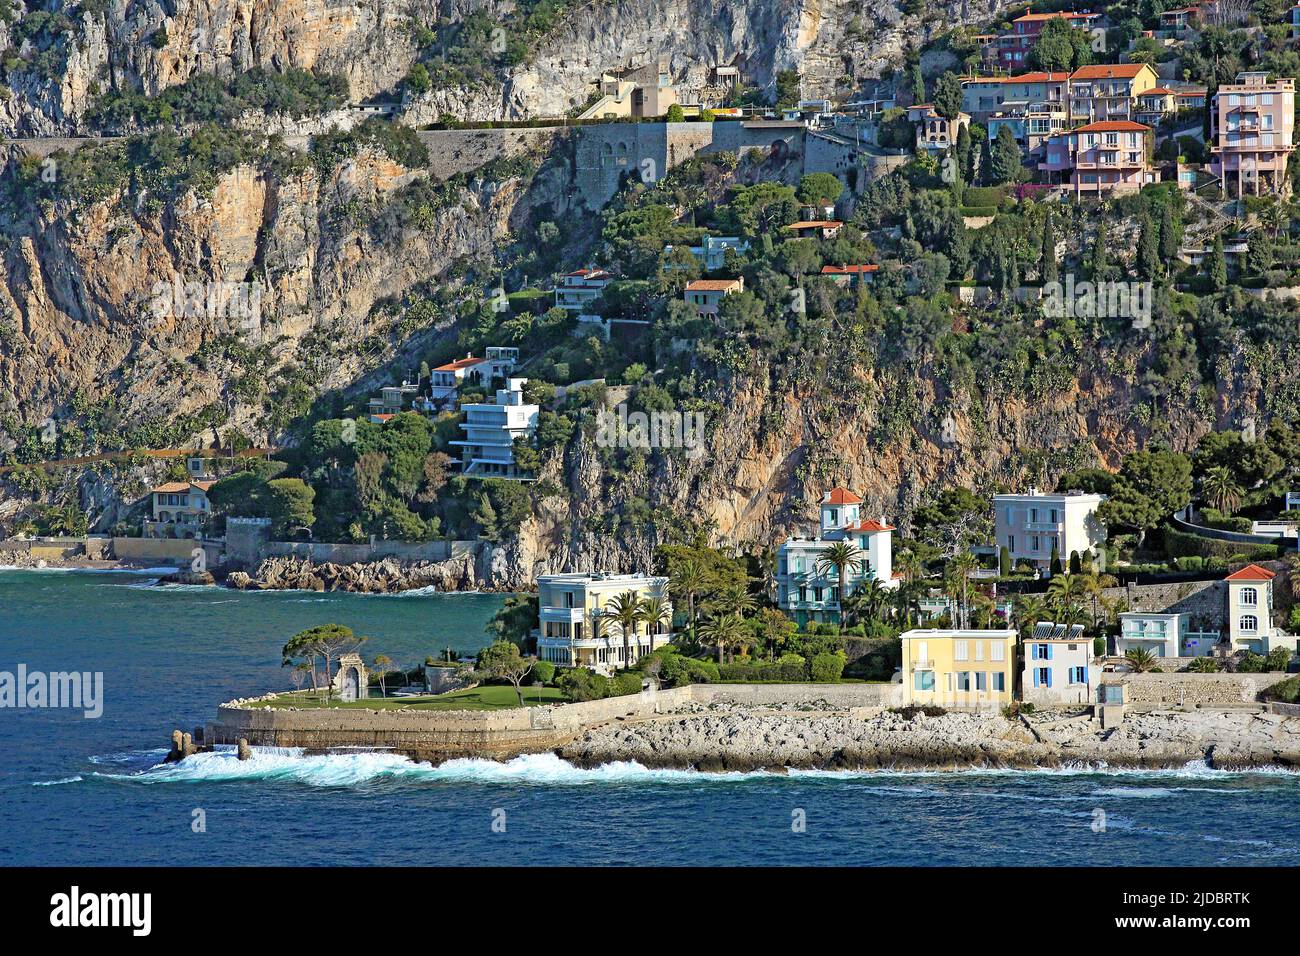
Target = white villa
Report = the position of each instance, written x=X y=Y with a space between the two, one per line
x=575 y=626
x=707 y=294
x=712 y=251
x=1247 y=618
x=579 y=289
x=1059 y=666
x=1031 y=526
x=498 y=361
x=491 y=429
x=808 y=592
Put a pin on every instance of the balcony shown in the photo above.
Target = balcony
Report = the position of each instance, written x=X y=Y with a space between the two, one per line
x=923 y=665
x=562 y=615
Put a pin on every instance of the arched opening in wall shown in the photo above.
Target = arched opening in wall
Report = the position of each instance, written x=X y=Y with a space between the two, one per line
x=778 y=152
x=606 y=154
x=621 y=153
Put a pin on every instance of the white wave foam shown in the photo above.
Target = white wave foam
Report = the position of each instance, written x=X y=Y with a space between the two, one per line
x=56 y=783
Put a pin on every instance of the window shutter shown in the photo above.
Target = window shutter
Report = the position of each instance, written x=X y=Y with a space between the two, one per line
x=1049 y=652
x=1048 y=674
x=1035 y=677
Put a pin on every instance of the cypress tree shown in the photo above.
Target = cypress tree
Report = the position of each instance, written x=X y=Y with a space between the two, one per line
x=1100 y=255
x=1047 y=268
x=1148 y=249
x=1170 y=234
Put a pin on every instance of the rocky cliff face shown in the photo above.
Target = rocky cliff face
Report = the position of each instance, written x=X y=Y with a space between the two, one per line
x=150 y=46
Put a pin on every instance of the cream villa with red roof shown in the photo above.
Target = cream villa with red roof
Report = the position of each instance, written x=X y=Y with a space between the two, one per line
x=1108 y=91
x=825 y=228
x=183 y=504
x=1250 y=611
x=497 y=362
x=707 y=294
x=809 y=591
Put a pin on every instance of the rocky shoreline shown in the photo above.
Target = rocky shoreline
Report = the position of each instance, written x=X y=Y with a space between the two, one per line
x=385 y=576
x=734 y=738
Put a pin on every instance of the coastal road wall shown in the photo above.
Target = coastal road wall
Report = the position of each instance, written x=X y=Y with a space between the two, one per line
x=501 y=734
x=1207 y=690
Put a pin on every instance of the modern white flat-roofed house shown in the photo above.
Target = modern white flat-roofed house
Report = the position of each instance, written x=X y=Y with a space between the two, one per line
x=578 y=290
x=1031 y=526
x=707 y=294
x=807 y=589
x=487 y=450
x=1159 y=634
x=569 y=606
x=1059 y=666
x=970 y=669
x=712 y=250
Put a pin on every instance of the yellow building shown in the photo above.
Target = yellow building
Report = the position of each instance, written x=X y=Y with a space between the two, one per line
x=577 y=623
x=959 y=668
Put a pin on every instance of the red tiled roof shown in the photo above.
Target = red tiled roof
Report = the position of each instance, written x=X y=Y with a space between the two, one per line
x=1252 y=572
x=847 y=270
x=1112 y=126
x=712 y=285
x=870 y=526
x=841 y=496
x=1070 y=14
x=815 y=224
x=467 y=361
x=385 y=417
x=1159 y=90
x=1107 y=71
x=173 y=487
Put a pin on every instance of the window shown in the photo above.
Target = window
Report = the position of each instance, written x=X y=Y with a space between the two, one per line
x=1043 y=677
x=923 y=680
x=803 y=592
x=981 y=681
x=960 y=651
x=922 y=650
x=997 y=651
x=1249 y=597
x=999 y=681
x=979 y=650
x=568 y=599
x=1248 y=622
x=1077 y=676
x=963 y=680
x=817 y=594
x=1011 y=542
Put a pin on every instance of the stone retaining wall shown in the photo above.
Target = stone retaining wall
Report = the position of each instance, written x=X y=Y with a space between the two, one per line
x=1212 y=690
x=501 y=734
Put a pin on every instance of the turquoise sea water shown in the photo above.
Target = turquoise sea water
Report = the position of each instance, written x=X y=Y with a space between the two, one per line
x=76 y=791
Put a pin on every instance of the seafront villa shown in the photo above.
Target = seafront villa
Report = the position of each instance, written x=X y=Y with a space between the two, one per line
x=1194 y=627
x=807 y=585
x=180 y=509
x=959 y=668
x=577 y=623
x=1036 y=527
x=1059 y=666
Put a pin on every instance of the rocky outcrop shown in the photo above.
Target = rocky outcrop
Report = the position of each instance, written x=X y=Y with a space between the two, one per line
x=375 y=577
x=720 y=737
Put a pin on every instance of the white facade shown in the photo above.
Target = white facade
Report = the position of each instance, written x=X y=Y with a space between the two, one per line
x=1250 y=611
x=578 y=290
x=444 y=381
x=487 y=449
x=1029 y=526
x=712 y=252
x=569 y=606
x=1158 y=634
x=1059 y=672
x=808 y=592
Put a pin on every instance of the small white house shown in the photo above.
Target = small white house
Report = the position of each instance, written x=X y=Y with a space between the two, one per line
x=1250 y=610
x=578 y=290
x=1058 y=666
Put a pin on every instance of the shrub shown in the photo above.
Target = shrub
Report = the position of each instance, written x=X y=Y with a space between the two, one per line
x=827 y=667
x=1251 y=663
x=544 y=671
x=1288 y=691
x=1278 y=659
x=678 y=670
x=911 y=710
x=1204 y=665
x=624 y=683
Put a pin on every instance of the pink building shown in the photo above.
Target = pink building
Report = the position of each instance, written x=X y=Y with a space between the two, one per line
x=1252 y=124
x=1100 y=158
x=1011 y=50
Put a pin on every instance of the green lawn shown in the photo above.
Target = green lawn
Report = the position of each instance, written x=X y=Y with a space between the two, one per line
x=492 y=697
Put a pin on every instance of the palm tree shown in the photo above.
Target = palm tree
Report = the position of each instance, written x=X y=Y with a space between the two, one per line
x=839 y=557
x=1030 y=609
x=1064 y=591
x=723 y=631
x=959 y=570
x=907 y=599
x=687 y=580
x=733 y=599
x=628 y=609
x=1093 y=586
x=1220 y=489
x=909 y=565
x=1140 y=659
x=657 y=612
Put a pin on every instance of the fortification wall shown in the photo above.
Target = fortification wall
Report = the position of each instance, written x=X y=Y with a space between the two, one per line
x=453 y=151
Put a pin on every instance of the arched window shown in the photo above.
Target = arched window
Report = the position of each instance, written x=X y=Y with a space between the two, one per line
x=1249 y=597
x=1248 y=622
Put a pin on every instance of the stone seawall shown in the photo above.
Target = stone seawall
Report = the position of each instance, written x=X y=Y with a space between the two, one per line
x=444 y=735
x=1193 y=690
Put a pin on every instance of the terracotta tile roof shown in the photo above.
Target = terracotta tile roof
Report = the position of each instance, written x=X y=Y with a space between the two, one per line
x=1157 y=91
x=870 y=526
x=383 y=418
x=712 y=285
x=467 y=361
x=1112 y=126
x=1108 y=71
x=175 y=487
x=1252 y=572
x=588 y=274
x=1033 y=17
x=848 y=270
x=815 y=224
x=841 y=496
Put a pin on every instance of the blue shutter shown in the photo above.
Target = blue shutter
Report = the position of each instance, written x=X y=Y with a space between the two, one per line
x=1049 y=677
x=1049 y=651
x=1035 y=676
